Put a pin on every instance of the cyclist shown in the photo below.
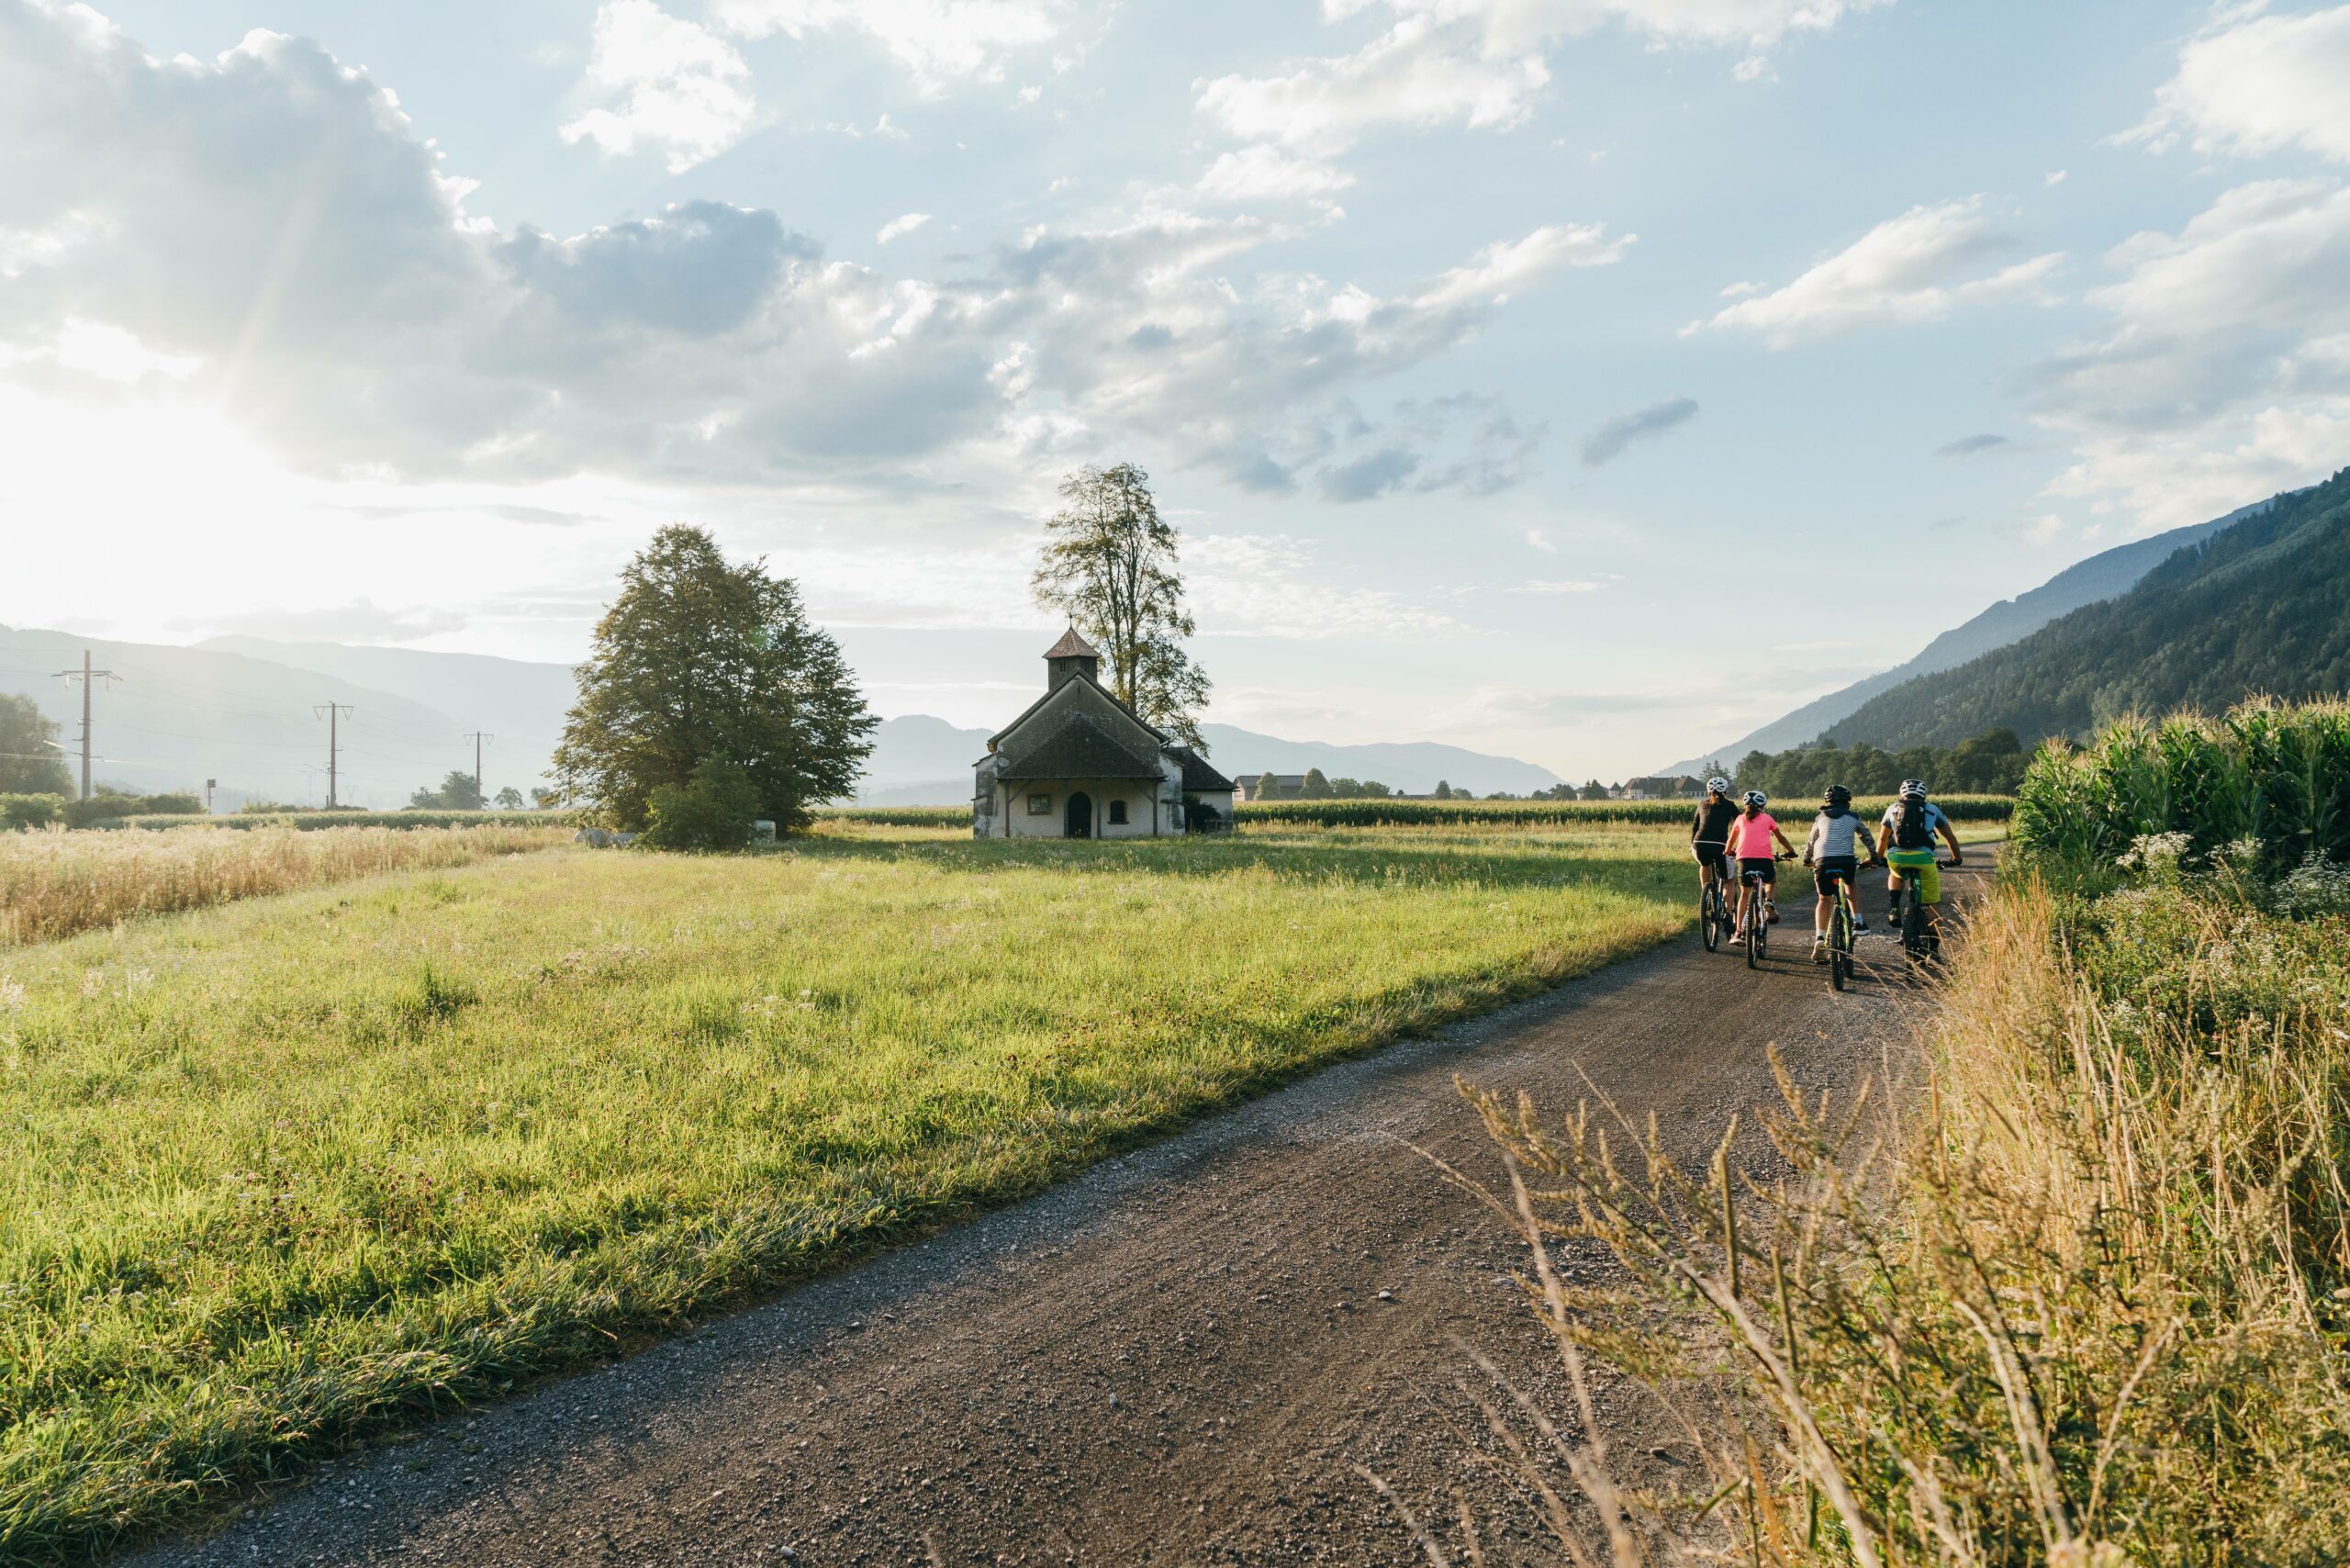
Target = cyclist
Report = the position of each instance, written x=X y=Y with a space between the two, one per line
x=1840 y=835
x=1906 y=839
x=1709 y=833
x=1751 y=833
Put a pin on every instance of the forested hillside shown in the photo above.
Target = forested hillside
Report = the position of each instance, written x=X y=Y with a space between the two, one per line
x=2260 y=607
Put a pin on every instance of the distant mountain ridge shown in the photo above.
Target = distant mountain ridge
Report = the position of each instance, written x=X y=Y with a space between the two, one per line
x=2101 y=577
x=2261 y=605
x=922 y=761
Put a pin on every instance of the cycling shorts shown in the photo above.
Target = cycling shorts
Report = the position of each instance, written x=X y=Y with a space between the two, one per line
x=1917 y=866
x=1711 y=855
x=1749 y=864
x=1833 y=868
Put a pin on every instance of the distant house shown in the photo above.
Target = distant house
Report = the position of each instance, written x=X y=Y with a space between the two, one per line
x=1081 y=764
x=1680 y=789
x=1286 y=786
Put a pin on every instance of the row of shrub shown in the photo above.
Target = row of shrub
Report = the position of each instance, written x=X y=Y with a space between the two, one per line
x=2265 y=773
x=311 y=821
x=41 y=811
x=1536 y=813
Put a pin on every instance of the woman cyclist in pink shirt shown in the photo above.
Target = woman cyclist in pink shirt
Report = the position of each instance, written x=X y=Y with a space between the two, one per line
x=1751 y=833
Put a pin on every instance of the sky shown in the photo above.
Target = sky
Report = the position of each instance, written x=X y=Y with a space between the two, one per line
x=1588 y=380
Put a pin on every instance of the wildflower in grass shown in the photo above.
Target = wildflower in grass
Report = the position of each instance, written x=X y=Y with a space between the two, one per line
x=12 y=994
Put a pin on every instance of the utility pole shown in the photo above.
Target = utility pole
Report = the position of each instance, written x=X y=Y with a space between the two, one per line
x=86 y=674
x=477 y=737
x=332 y=711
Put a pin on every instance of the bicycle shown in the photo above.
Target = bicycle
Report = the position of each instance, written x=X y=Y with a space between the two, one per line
x=1758 y=916
x=1921 y=940
x=1714 y=917
x=1840 y=934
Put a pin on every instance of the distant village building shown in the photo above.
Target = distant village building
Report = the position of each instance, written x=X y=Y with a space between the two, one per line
x=1286 y=786
x=1680 y=789
x=1081 y=764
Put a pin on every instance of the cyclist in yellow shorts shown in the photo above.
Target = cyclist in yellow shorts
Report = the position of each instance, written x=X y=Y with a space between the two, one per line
x=1905 y=840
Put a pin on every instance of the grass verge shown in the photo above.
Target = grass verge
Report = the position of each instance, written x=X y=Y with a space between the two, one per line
x=2088 y=1303
x=284 y=1174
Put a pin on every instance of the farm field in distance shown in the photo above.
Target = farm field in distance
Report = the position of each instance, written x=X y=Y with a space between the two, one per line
x=283 y=1173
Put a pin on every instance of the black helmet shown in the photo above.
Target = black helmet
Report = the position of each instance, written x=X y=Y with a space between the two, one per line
x=1837 y=798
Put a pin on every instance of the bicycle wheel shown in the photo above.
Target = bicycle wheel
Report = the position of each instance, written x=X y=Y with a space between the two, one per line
x=1913 y=926
x=1709 y=917
x=1754 y=925
x=1839 y=944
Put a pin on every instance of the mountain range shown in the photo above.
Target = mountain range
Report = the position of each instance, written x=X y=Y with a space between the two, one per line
x=251 y=713
x=2260 y=604
x=2100 y=577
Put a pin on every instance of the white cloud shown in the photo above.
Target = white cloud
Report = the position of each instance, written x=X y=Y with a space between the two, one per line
x=678 y=88
x=2222 y=372
x=937 y=41
x=2260 y=84
x=1505 y=27
x=1268 y=174
x=1918 y=267
x=2171 y=478
x=1551 y=587
x=900 y=227
x=1411 y=75
x=1273 y=586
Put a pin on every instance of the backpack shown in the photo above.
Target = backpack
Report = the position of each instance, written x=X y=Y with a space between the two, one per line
x=1909 y=828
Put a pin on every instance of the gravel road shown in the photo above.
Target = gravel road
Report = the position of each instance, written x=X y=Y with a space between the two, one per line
x=1174 y=1358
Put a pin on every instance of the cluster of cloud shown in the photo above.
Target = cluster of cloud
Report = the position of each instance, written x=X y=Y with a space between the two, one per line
x=665 y=83
x=2222 y=368
x=1470 y=64
x=1918 y=266
x=267 y=224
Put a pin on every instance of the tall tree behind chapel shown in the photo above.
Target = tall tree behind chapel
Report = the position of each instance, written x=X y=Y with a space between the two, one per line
x=1110 y=565
x=698 y=658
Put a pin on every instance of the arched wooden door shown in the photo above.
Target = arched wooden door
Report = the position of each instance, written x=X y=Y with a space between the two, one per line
x=1080 y=820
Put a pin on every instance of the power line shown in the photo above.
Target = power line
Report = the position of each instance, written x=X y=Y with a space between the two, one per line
x=477 y=737
x=87 y=676
x=333 y=713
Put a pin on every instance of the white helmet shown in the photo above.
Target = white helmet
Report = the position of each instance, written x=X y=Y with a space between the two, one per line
x=1717 y=784
x=1757 y=799
x=1913 y=789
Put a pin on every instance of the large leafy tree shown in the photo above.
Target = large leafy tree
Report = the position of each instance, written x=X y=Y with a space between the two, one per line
x=29 y=763
x=1110 y=565
x=699 y=658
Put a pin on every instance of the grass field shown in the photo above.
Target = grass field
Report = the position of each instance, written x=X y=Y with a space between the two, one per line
x=285 y=1173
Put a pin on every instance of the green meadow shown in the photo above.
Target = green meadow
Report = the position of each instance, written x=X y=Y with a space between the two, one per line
x=286 y=1173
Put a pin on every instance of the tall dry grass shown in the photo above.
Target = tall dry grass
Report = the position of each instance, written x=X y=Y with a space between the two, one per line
x=2089 y=1305
x=54 y=883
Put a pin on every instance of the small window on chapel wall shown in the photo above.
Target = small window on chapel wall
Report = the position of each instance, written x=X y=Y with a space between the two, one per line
x=1040 y=805
x=1117 y=814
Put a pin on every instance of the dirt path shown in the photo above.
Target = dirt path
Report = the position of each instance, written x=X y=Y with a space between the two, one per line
x=1173 y=1359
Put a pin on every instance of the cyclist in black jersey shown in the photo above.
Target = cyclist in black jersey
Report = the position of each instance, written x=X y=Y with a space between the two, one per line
x=1709 y=834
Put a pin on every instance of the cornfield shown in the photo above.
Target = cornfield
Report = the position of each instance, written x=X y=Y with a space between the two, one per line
x=53 y=883
x=2275 y=773
x=1536 y=813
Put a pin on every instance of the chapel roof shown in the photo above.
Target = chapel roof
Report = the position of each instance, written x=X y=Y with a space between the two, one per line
x=1079 y=747
x=1072 y=647
x=1198 y=776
